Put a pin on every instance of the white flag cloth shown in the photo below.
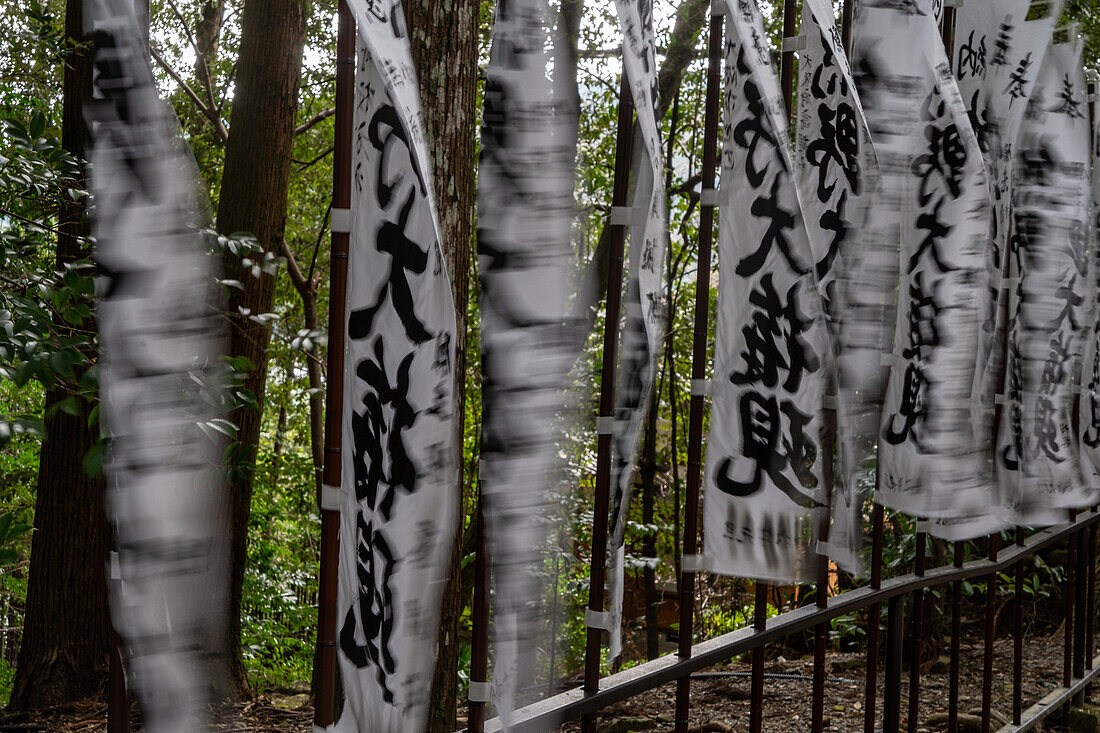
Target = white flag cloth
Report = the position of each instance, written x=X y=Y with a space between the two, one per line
x=763 y=470
x=1089 y=406
x=643 y=307
x=1037 y=460
x=837 y=174
x=160 y=341
x=935 y=193
x=399 y=465
x=528 y=341
x=997 y=56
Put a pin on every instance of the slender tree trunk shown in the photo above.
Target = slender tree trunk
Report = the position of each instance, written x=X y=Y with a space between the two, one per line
x=253 y=199
x=63 y=655
x=443 y=37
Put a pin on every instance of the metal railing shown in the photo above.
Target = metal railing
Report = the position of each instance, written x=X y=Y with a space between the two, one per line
x=1080 y=666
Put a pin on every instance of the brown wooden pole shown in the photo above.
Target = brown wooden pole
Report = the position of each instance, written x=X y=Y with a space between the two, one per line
x=699 y=359
x=479 y=652
x=1090 y=610
x=873 y=615
x=990 y=621
x=1018 y=637
x=118 y=700
x=760 y=601
x=325 y=706
x=917 y=638
x=847 y=17
x=821 y=631
x=956 y=643
x=759 y=623
x=118 y=697
x=1067 y=646
x=598 y=570
x=786 y=69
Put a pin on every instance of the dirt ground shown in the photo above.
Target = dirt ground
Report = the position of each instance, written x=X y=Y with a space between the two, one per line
x=719 y=703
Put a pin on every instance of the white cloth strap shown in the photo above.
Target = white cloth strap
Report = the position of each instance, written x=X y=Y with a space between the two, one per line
x=480 y=692
x=331 y=498
x=597 y=619
x=693 y=563
x=341 y=221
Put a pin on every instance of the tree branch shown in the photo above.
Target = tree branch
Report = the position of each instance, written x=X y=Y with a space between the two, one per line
x=208 y=112
x=314 y=120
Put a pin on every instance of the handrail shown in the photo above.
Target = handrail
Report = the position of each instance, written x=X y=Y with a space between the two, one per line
x=572 y=704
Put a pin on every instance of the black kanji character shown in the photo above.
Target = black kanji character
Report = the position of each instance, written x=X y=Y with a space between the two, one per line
x=375 y=606
x=761 y=426
x=774 y=340
x=780 y=220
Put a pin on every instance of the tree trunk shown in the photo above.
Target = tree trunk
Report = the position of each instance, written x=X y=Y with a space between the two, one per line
x=64 y=651
x=444 y=37
x=253 y=199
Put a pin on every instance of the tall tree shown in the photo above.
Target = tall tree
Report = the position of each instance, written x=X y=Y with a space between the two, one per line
x=444 y=38
x=63 y=654
x=253 y=198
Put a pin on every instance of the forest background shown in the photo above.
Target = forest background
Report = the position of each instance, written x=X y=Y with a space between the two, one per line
x=252 y=83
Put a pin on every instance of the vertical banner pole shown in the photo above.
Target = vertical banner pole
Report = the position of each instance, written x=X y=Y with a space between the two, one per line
x=1080 y=594
x=760 y=603
x=325 y=709
x=847 y=15
x=990 y=621
x=917 y=639
x=891 y=696
x=1018 y=637
x=956 y=642
x=118 y=701
x=118 y=698
x=598 y=570
x=1090 y=609
x=1071 y=586
x=873 y=617
x=479 y=653
x=699 y=355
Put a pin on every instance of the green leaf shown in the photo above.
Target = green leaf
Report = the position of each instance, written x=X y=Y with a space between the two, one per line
x=8 y=556
x=37 y=126
x=5 y=525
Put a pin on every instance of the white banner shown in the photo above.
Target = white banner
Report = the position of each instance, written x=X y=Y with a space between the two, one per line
x=763 y=472
x=1037 y=460
x=1089 y=406
x=528 y=341
x=997 y=56
x=837 y=171
x=644 y=304
x=935 y=192
x=400 y=478
x=159 y=335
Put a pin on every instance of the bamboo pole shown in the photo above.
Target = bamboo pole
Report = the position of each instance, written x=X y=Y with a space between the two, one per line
x=325 y=706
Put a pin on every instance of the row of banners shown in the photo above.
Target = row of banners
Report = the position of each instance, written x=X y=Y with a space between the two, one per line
x=918 y=269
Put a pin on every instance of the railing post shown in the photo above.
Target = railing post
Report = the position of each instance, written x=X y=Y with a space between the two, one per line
x=699 y=356
x=917 y=645
x=598 y=569
x=956 y=641
x=990 y=620
x=873 y=617
x=1081 y=596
